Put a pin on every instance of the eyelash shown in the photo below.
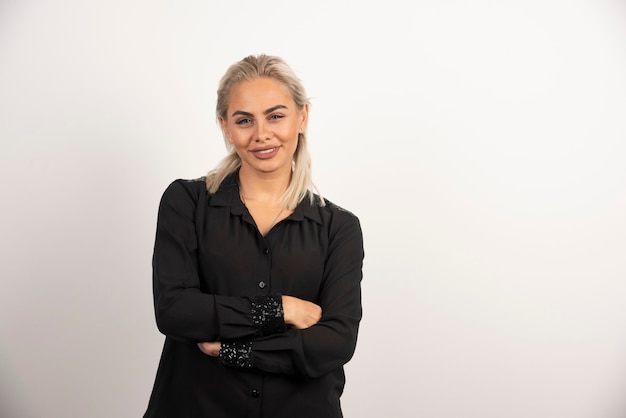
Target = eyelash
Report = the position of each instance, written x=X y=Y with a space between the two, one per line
x=248 y=120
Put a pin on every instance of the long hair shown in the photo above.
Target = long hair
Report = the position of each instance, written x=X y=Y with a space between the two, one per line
x=250 y=68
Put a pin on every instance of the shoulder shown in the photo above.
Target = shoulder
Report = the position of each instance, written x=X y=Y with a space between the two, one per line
x=336 y=210
x=337 y=216
x=183 y=190
x=343 y=226
x=187 y=186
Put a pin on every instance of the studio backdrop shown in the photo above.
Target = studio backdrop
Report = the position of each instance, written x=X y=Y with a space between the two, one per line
x=482 y=145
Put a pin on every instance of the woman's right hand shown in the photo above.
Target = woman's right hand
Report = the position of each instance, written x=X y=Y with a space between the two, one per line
x=300 y=313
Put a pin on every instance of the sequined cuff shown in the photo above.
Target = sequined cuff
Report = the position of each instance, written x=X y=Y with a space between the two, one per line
x=267 y=313
x=236 y=354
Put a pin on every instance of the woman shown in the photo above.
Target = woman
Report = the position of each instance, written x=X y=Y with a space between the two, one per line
x=256 y=278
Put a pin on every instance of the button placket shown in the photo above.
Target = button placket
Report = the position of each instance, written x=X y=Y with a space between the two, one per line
x=265 y=275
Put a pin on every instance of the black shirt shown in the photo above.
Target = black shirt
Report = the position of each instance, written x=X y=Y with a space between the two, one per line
x=210 y=262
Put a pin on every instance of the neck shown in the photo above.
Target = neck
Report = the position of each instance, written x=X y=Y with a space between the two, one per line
x=268 y=188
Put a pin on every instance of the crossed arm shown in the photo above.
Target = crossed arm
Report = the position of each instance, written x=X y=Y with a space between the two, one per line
x=298 y=314
x=308 y=338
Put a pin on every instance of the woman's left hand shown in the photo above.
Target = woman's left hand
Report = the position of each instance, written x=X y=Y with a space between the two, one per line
x=210 y=348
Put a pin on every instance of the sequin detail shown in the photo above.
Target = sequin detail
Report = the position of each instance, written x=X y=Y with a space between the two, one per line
x=236 y=354
x=267 y=313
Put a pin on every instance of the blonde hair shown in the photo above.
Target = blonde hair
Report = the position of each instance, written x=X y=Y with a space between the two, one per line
x=250 y=68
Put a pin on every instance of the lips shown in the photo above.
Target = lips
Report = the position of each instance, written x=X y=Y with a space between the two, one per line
x=265 y=153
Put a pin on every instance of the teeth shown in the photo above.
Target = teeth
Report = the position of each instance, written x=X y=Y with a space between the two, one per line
x=266 y=151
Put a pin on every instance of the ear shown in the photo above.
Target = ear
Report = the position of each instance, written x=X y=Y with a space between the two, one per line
x=304 y=115
x=224 y=127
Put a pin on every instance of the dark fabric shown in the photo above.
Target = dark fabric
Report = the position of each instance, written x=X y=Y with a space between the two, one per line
x=267 y=313
x=209 y=262
x=236 y=353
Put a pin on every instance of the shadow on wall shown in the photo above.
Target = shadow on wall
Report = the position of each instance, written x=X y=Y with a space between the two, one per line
x=13 y=402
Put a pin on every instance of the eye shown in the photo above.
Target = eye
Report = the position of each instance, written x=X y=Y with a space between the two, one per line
x=276 y=116
x=244 y=121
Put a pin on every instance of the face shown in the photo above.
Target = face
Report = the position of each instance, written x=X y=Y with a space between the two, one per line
x=263 y=123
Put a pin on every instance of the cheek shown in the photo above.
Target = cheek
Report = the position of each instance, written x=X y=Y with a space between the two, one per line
x=239 y=137
x=290 y=133
x=238 y=142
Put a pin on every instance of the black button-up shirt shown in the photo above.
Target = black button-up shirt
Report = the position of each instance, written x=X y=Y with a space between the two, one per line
x=209 y=260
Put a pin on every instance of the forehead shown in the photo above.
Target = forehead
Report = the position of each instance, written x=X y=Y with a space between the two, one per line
x=259 y=94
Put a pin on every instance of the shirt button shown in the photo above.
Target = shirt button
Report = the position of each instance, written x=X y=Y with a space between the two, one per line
x=262 y=285
x=255 y=393
x=266 y=251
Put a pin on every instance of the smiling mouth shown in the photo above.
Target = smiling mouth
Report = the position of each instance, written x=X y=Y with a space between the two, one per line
x=265 y=151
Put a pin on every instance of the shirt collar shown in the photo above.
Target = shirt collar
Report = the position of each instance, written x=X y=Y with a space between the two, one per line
x=228 y=195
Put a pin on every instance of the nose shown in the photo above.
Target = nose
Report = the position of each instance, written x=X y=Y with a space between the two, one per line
x=263 y=131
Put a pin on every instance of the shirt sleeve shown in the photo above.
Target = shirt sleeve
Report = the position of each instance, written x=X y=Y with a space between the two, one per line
x=329 y=344
x=182 y=310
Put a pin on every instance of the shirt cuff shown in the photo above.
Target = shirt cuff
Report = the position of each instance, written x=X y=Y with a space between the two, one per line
x=267 y=313
x=236 y=354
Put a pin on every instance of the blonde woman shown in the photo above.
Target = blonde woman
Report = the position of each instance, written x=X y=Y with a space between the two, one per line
x=256 y=277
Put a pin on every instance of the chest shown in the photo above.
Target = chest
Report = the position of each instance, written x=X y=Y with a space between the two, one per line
x=234 y=258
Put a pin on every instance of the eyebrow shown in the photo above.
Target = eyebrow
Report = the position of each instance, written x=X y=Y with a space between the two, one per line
x=268 y=111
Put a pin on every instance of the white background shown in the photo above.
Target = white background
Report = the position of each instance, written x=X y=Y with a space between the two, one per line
x=482 y=144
